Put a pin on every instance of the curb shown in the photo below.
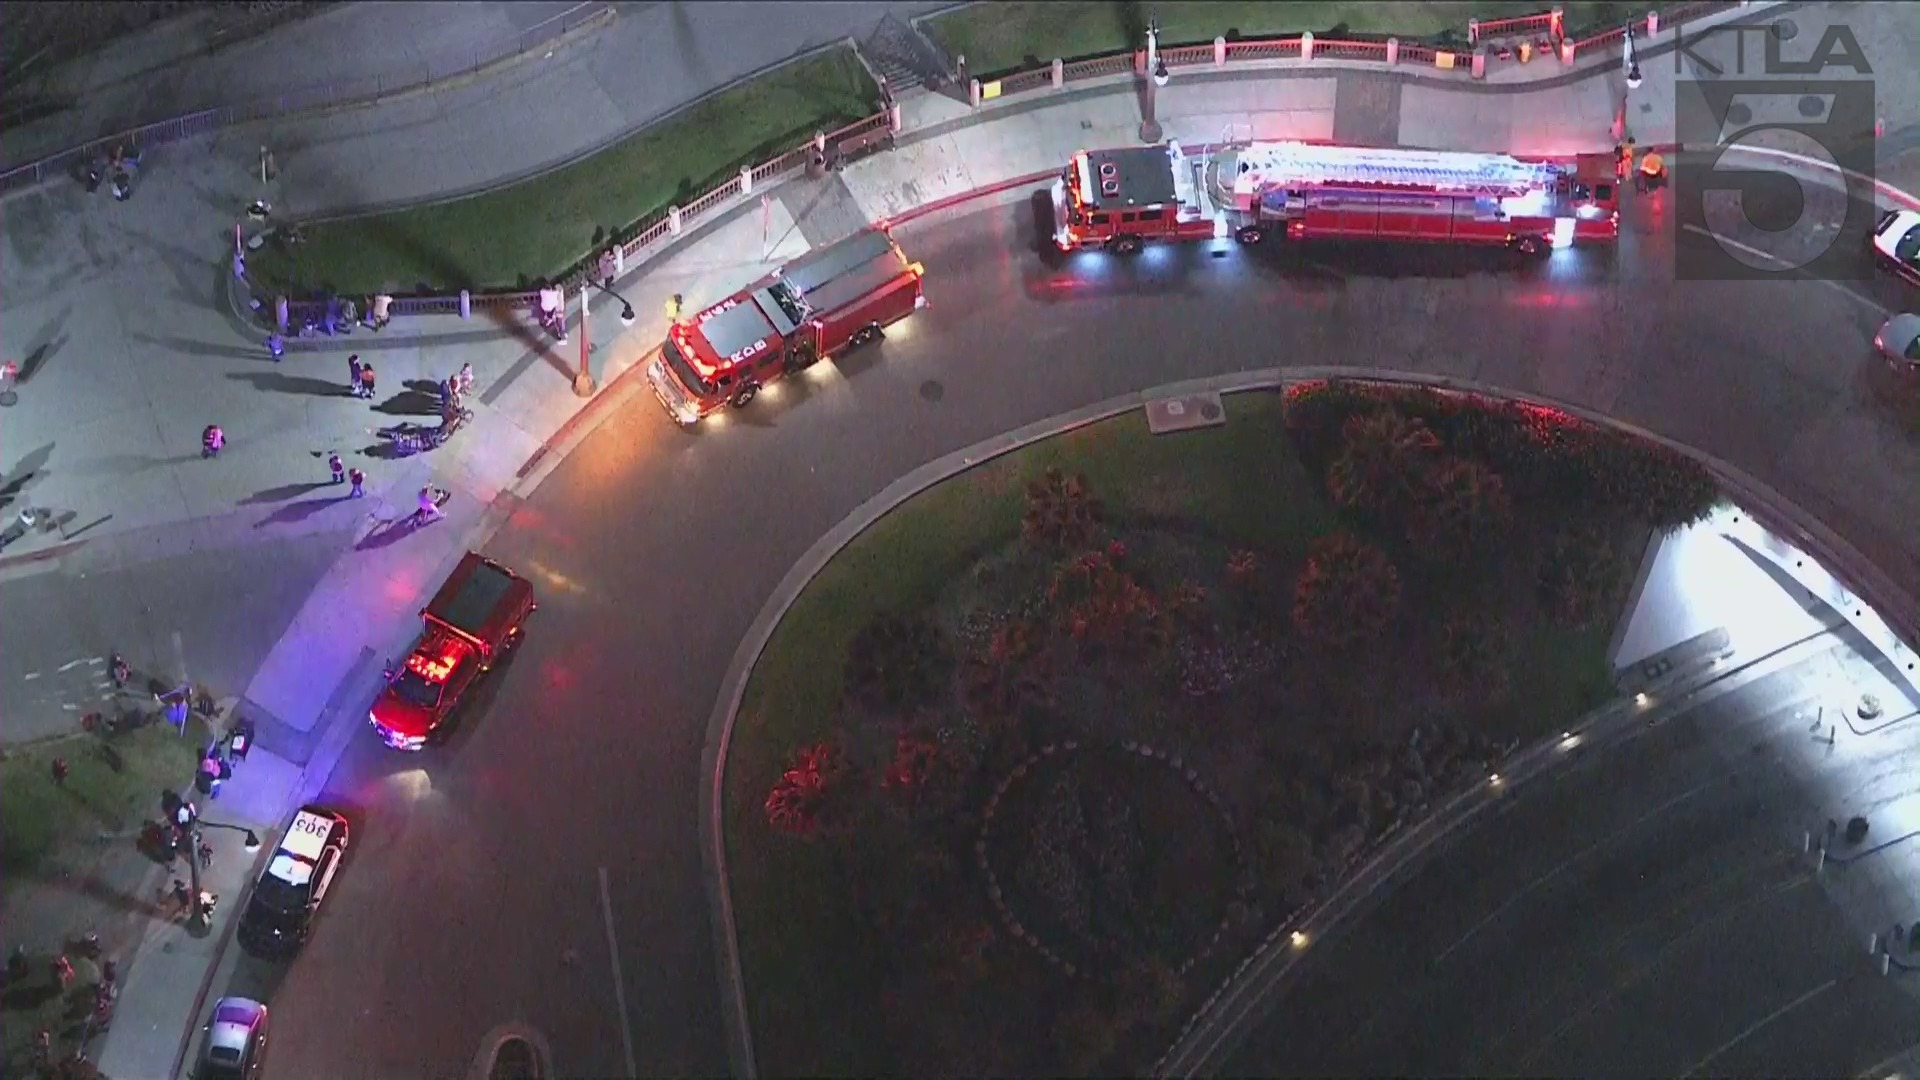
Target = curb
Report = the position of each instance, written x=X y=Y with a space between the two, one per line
x=733 y=684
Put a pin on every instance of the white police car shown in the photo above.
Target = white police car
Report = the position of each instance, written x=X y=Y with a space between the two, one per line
x=1896 y=243
x=281 y=910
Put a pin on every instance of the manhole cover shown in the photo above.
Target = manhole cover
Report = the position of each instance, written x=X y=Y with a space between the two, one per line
x=1813 y=106
x=931 y=390
x=1210 y=411
x=1784 y=29
x=1870 y=707
x=1739 y=114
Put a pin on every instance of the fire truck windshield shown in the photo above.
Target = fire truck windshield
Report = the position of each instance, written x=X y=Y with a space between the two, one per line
x=684 y=371
x=416 y=689
x=794 y=308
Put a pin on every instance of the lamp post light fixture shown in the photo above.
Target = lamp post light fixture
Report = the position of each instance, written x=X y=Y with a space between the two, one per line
x=197 y=912
x=1157 y=76
x=583 y=384
x=1631 y=59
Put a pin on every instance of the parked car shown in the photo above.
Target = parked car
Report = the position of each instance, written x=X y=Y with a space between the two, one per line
x=236 y=1040
x=1896 y=243
x=285 y=901
x=1899 y=344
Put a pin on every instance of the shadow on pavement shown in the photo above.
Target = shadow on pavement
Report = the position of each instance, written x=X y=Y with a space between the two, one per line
x=203 y=348
x=410 y=403
x=290 y=384
x=386 y=533
x=24 y=473
x=299 y=511
x=47 y=342
x=282 y=493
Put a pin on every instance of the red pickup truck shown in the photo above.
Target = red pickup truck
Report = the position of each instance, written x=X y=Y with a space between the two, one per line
x=478 y=615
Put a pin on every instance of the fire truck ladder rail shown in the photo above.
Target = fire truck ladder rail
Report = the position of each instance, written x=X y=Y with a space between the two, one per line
x=1306 y=165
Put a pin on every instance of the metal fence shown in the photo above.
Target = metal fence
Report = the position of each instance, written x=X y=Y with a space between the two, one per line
x=304 y=99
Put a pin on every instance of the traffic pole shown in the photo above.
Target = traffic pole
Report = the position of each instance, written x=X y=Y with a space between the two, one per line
x=583 y=382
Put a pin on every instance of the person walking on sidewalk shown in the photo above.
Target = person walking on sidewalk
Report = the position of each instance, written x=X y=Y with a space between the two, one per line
x=463 y=380
x=212 y=440
x=366 y=380
x=336 y=467
x=359 y=480
x=276 y=347
x=353 y=374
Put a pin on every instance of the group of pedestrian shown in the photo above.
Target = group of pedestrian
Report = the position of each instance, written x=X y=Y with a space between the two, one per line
x=360 y=377
x=118 y=169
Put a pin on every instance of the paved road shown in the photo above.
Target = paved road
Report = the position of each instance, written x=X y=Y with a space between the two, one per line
x=1647 y=913
x=653 y=549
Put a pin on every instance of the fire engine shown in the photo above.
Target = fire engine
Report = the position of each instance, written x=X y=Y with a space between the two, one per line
x=838 y=297
x=1120 y=199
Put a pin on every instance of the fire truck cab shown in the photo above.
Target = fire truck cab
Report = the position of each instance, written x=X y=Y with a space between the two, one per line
x=1120 y=199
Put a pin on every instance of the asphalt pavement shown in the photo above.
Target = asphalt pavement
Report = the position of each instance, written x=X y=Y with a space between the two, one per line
x=654 y=548
x=1647 y=912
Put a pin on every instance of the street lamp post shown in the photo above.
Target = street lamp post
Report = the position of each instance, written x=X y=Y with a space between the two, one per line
x=1630 y=59
x=197 y=914
x=583 y=382
x=1157 y=76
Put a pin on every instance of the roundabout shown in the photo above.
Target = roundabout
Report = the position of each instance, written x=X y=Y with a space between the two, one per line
x=654 y=550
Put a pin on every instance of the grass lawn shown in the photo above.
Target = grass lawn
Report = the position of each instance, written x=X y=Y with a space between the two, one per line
x=112 y=786
x=1002 y=37
x=811 y=964
x=542 y=227
x=104 y=792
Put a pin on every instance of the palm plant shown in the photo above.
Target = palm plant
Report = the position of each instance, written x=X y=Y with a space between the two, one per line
x=1061 y=511
x=1348 y=592
x=1383 y=459
x=1463 y=504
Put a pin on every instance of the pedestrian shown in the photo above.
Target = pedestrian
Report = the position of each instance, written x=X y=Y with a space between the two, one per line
x=212 y=440
x=60 y=771
x=180 y=894
x=353 y=374
x=63 y=970
x=358 y=479
x=335 y=466
x=276 y=346
x=463 y=381
x=366 y=381
x=122 y=185
x=381 y=304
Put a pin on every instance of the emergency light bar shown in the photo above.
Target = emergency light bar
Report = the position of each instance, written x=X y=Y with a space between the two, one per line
x=1296 y=164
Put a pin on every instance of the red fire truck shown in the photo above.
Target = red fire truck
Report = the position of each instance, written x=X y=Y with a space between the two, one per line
x=837 y=297
x=1120 y=199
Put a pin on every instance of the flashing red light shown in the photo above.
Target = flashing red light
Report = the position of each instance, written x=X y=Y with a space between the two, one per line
x=434 y=669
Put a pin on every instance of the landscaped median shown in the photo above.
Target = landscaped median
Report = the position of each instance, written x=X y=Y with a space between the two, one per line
x=541 y=228
x=1040 y=754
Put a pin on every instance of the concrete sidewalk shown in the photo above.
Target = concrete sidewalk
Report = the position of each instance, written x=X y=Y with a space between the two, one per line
x=116 y=310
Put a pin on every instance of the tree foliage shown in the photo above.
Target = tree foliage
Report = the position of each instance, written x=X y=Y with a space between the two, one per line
x=898 y=664
x=1462 y=507
x=1062 y=512
x=811 y=796
x=1348 y=592
x=1098 y=603
x=1383 y=463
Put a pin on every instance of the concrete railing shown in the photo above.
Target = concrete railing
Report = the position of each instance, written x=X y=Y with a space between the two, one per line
x=68 y=162
x=1470 y=61
x=662 y=227
x=652 y=232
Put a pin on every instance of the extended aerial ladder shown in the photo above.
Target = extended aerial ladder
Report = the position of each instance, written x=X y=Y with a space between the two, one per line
x=1241 y=174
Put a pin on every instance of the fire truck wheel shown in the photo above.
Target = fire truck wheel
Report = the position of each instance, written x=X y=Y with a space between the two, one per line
x=865 y=335
x=1126 y=245
x=1250 y=234
x=1529 y=246
x=743 y=395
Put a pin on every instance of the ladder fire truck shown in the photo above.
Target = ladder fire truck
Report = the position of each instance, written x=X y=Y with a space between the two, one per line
x=1121 y=199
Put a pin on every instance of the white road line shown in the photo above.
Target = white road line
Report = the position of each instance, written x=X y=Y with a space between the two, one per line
x=71 y=664
x=1772 y=258
x=1762 y=1022
x=619 y=983
x=1886 y=1070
